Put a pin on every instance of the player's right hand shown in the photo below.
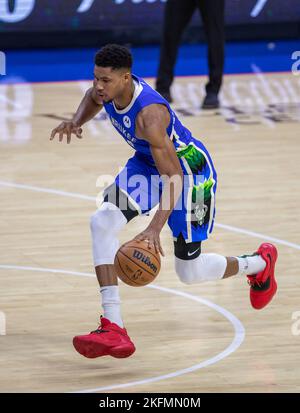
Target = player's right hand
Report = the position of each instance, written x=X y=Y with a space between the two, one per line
x=66 y=128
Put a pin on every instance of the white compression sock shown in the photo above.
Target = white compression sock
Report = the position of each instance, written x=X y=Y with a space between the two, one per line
x=106 y=223
x=250 y=264
x=206 y=267
x=111 y=304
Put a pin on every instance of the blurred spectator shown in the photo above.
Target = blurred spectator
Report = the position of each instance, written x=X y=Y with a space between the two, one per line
x=177 y=15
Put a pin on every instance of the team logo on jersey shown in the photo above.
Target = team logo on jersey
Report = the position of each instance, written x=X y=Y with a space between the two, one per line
x=127 y=121
x=200 y=213
x=130 y=139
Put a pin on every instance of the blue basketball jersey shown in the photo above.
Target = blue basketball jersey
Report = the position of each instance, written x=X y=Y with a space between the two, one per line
x=195 y=214
x=124 y=120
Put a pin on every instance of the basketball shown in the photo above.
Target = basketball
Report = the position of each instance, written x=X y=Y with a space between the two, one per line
x=136 y=264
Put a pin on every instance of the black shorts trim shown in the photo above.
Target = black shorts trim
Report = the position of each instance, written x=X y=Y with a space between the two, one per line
x=114 y=195
x=186 y=251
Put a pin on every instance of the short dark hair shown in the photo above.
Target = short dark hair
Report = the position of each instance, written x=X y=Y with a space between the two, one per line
x=115 y=56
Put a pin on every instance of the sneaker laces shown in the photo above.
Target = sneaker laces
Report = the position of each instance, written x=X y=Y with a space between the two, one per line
x=252 y=281
x=100 y=329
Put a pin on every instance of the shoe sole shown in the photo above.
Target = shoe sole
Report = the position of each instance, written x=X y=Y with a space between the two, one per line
x=257 y=307
x=121 y=352
x=90 y=349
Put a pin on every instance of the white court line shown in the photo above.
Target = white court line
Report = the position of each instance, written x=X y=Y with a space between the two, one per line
x=20 y=267
x=90 y=198
x=236 y=342
x=47 y=190
x=258 y=235
x=239 y=329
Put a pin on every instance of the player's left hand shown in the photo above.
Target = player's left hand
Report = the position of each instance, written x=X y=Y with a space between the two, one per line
x=151 y=235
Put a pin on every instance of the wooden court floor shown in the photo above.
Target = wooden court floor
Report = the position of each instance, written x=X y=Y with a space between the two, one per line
x=203 y=338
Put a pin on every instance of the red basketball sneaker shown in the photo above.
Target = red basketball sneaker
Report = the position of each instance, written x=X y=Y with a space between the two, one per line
x=263 y=285
x=108 y=340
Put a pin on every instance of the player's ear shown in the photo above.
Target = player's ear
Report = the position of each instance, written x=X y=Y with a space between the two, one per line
x=127 y=76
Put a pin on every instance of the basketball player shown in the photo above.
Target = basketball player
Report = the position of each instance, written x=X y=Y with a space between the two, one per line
x=163 y=148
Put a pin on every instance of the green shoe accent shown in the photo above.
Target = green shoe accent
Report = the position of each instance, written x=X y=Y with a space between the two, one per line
x=249 y=255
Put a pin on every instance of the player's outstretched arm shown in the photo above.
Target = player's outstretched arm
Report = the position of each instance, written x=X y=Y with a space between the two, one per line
x=87 y=110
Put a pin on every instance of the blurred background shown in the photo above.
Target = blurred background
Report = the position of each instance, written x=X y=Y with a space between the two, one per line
x=66 y=34
x=48 y=291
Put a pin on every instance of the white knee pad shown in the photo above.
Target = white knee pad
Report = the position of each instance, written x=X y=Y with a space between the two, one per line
x=105 y=224
x=206 y=267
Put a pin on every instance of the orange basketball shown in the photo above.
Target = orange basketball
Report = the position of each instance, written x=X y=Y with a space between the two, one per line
x=136 y=264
